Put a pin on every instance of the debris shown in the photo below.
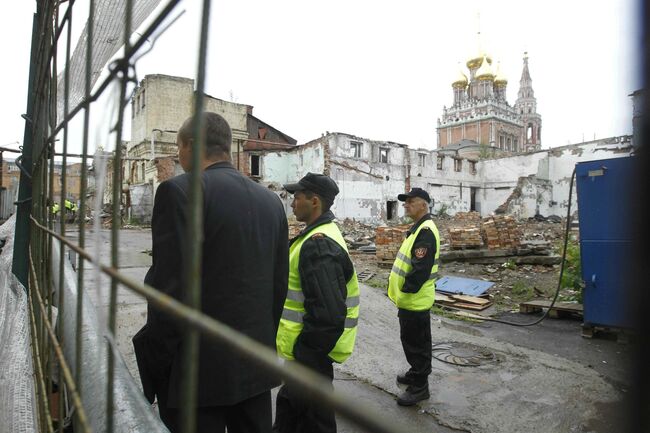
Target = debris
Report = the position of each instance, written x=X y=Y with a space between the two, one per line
x=365 y=275
x=560 y=309
x=388 y=240
x=464 y=286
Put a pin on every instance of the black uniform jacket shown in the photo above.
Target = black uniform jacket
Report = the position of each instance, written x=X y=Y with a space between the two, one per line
x=423 y=253
x=243 y=283
x=324 y=269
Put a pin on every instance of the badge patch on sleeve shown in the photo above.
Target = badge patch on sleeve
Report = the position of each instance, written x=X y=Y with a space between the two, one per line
x=420 y=252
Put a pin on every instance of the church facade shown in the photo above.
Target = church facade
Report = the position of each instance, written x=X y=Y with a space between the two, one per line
x=481 y=116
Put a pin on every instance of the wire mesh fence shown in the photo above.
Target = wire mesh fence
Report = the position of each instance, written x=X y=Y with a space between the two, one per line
x=62 y=348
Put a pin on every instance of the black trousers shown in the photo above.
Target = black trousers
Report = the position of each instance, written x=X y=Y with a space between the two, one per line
x=415 y=333
x=294 y=414
x=249 y=416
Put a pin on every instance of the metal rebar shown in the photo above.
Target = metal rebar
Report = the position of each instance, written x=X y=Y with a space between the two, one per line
x=298 y=376
x=65 y=370
x=45 y=417
x=82 y=205
x=195 y=235
x=63 y=208
x=117 y=221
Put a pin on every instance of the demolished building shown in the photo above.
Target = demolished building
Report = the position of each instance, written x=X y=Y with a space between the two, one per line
x=460 y=177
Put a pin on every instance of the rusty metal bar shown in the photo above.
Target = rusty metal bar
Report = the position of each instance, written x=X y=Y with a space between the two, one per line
x=63 y=207
x=63 y=365
x=117 y=219
x=296 y=375
x=195 y=235
x=45 y=417
x=82 y=205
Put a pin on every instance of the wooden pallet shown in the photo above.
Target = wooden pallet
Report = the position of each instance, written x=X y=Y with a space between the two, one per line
x=365 y=275
x=559 y=310
x=621 y=335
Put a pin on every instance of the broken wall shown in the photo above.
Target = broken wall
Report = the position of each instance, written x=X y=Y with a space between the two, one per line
x=369 y=181
x=450 y=185
x=539 y=182
x=141 y=203
x=280 y=167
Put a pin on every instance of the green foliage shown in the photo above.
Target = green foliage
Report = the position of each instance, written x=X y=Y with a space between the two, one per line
x=522 y=290
x=572 y=275
x=484 y=151
x=443 y=210
x=378 y=283
x=510 y=264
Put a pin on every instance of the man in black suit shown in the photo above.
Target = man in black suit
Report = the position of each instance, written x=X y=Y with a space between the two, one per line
x=244 y=285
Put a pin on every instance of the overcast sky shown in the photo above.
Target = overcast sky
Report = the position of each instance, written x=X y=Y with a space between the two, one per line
x=383 y=69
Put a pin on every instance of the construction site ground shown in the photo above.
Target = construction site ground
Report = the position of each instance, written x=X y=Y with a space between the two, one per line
x=545 y=378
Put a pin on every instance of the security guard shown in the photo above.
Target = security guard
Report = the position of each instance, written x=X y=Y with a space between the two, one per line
x=411 y=286
x=319 y=320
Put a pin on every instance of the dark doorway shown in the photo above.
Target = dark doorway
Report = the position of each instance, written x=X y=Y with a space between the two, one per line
x=391 y=210
x=472 y=199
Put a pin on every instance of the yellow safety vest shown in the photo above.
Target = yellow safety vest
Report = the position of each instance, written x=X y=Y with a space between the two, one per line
x=423 y=299
x=294 y=308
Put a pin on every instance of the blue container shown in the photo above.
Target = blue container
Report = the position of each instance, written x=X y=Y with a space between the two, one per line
x=605 y=217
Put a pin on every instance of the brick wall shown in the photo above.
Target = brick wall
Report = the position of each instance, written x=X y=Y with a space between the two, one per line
x=388 y=241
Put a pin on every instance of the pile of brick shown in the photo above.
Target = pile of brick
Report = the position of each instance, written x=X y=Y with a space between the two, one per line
x=467 y=218
x=465 y=231
x=469 y=237
x=388 y=241
x=501 y=232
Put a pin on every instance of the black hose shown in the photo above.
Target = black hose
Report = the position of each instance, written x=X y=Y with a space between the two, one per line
x=559 y=283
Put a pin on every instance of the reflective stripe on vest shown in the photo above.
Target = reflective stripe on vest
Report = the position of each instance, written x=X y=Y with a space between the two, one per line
x=424 y=298
x=291 y=323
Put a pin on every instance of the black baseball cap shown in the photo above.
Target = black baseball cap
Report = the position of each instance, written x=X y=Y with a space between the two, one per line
x=320 y=184
x=415 y=192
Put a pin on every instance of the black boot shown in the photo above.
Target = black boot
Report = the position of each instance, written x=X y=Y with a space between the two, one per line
x=405 y=379
x=413 y=394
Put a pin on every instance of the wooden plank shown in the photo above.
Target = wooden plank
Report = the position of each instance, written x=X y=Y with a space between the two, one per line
x=562 y=306
x=444 y=298
x=471 y=299
x=471 y=306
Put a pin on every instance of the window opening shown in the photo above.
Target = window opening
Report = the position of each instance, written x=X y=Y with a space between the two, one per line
x=255 y=165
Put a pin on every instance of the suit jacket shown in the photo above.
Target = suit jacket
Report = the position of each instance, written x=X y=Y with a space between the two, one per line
x=243 y=283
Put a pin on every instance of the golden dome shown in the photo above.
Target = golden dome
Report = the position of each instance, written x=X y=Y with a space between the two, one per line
x=485 y=71
x=475 y=62
x=500 y=79
x=461 y=79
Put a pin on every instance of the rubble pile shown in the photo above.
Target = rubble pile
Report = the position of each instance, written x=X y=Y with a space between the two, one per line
x=501 y=232
x=465 y=231
x=460 y=238
x=295 y=228
x=388 y=241
x=357 y=235
x=468 y=218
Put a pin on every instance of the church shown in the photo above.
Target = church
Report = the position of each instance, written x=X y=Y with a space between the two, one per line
x=482 y=118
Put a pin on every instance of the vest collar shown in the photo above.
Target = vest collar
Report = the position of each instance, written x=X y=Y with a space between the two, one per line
x=325 y=218
x=415 y=226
